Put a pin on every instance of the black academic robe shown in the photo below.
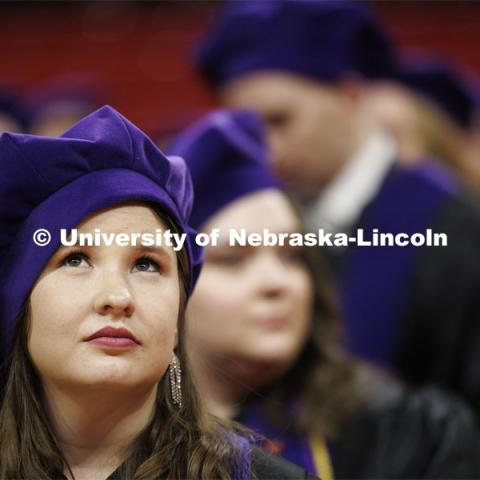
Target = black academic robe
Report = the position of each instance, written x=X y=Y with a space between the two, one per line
x=416 y=310
x=402 y=433
x=396 y=433
x=265 y=466
x=440 y=335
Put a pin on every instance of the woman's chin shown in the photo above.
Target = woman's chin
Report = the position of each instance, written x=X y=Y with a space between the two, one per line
x=114 y=378
x=268 y=362
x=280 y=351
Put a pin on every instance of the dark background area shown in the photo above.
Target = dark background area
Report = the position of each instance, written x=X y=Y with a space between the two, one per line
x=139 y=51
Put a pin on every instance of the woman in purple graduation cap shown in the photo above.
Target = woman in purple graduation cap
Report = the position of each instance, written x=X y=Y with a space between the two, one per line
x=262 y=332
x=96 y=380
x=430 y=107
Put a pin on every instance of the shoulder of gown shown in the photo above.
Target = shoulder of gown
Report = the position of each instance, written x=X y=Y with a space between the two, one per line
x=405 y=433
x=266 y=466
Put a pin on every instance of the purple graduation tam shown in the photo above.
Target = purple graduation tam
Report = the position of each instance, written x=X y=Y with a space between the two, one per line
x=448 y=89
x=227 y=158
x=321 y=39
x=55 y=182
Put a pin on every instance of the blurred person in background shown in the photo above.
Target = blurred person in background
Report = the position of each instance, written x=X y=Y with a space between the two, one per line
x=13 y=115
x=306 y=66
x=262 y=333
x=59 y=102
x=430 y=110
x=475 y=145
x=163 y=131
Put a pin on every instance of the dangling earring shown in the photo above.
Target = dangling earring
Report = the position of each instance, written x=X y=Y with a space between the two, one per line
x=175 y=376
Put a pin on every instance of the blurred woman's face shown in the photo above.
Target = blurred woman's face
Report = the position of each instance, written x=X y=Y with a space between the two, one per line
x=106 y=316
x=252 y=305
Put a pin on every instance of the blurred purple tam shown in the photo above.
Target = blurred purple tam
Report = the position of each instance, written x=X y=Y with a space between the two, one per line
x=452 y=92
x=228 y=159
x=320 y=39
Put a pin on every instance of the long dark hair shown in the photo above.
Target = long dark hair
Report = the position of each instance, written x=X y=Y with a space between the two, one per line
x=178 y=443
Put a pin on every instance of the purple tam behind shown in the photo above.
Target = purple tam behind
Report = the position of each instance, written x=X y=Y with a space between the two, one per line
x=53 y=183
x=320 y=39
x=449 y=90
x=227 y=158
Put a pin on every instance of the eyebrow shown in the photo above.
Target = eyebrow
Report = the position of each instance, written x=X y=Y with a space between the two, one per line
x=139 y=247
x=153 y=249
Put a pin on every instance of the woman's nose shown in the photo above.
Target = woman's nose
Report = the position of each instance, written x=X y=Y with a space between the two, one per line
x=114 y=297
x=272 y=275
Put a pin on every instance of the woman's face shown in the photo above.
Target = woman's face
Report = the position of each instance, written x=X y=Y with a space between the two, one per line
x=83 y=290
x=252 y=305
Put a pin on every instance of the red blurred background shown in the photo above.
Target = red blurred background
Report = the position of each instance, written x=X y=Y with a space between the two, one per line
x=139 y=52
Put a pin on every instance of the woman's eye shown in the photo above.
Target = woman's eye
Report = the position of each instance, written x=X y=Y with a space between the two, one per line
x=277 y=119
x=228 y=259
x=75 y=260
x=292 y=254
x=146 y=264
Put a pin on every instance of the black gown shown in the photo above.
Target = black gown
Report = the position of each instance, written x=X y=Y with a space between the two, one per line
x=403 y=433
x=416 y=310
x=396 y=433
x=265 y=466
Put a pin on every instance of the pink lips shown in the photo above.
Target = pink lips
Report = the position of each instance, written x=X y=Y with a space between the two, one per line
x=113 y=338
x=274 y=322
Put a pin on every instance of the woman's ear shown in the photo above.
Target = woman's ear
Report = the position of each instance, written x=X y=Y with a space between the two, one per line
x=176 y=338
x=353 y=89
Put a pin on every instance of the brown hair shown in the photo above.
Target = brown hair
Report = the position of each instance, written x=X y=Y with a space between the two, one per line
x=177 y=444
x=441 y=138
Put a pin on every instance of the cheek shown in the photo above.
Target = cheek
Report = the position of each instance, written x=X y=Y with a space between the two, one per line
x=54 y=317
x=325 y=117
x=217 y=305
x=216 y=291
x=158 y=312
x=302 y=293
x=306 y=138
x=162 y=331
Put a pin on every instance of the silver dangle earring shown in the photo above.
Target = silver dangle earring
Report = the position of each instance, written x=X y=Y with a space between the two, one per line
x=175 y=376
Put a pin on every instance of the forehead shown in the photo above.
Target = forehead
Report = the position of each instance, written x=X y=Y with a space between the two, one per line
x=267 y=209
x=269 y=88
x=127 y=217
